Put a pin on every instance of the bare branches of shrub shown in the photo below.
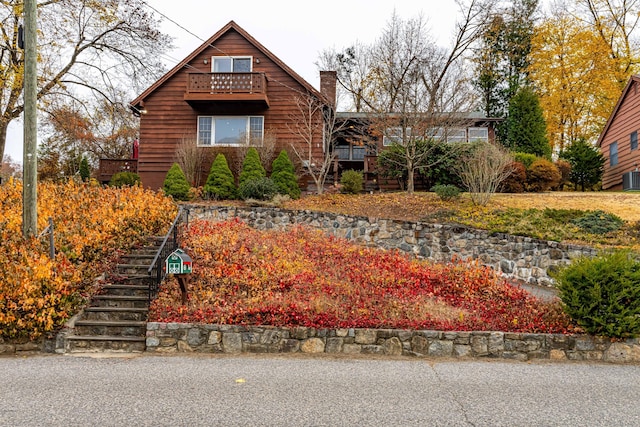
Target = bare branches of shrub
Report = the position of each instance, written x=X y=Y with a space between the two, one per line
x=483 y=169
x=190 y=157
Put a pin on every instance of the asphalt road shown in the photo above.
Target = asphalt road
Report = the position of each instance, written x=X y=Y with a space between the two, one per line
x=312 y=391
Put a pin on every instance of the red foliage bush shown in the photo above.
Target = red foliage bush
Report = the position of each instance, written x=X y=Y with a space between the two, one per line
x=516 y=181
x=303 y=278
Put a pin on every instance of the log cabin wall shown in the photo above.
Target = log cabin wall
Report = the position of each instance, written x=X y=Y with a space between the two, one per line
x=170 y=119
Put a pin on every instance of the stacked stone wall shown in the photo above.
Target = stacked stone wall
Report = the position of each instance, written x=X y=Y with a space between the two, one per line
x=231 y=339
x=518 y=258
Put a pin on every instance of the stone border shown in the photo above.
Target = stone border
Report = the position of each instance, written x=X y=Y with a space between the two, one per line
x=231 y=339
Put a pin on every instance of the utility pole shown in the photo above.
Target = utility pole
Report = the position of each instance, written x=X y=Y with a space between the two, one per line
x=30 y=160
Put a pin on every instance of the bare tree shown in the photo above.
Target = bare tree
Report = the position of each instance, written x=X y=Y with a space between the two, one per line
x=83 y=45
x=483 y=170
x=353 y=67
x=315 y=124
x=415 y=90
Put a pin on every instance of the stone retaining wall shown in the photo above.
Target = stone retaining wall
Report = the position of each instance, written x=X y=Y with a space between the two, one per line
x=518 y=258
x=186 y=337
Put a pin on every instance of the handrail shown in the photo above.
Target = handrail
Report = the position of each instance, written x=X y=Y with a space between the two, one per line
x=169 y=244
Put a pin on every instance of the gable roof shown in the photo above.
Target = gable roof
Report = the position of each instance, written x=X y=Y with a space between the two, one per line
x=230 y=26
x=633 y=79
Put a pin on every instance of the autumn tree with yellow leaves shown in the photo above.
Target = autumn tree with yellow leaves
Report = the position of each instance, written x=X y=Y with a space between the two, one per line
x=582 y=55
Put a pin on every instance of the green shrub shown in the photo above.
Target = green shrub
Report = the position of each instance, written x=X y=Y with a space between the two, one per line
x=526 y=159
x=515 y=182
x=258 y=189
x=251 y=167
x=283 y=175
x=123 y=179
x=598 y=222
x=351 y=181
x=562 y=216
x=542 y=175
x=603 y=294
x=220 y=183
x=176 y=184
x=85 y=171
x=446 y=192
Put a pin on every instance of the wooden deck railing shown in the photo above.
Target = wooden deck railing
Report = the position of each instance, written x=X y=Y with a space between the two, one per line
x=226 y=83
x=110 y=167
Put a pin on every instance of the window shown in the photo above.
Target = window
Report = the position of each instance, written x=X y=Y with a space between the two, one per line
x=457 y=135
x=231 y=64
x=478 y=134
x=394 y=136
x=613 y=154
x=634 y=140
x=229 y=131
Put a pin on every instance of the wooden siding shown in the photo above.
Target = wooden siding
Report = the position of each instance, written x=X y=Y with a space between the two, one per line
x=170 y=119
x=625 y=120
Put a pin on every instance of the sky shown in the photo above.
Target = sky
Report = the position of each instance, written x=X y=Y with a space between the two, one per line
x=295 y=31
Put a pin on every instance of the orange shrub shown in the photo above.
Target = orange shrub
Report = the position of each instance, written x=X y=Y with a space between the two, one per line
x=91 y=224
x=542 y=175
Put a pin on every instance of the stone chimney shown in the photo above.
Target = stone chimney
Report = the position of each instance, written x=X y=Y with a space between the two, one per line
x=328 y=81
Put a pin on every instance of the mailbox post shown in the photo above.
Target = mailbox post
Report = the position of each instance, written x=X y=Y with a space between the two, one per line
x=180 y=265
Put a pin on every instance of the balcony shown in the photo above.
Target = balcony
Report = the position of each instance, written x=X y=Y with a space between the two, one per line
x=110 y=167
x=230 y=87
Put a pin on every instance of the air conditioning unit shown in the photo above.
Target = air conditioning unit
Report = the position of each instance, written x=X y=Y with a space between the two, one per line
x=631 y=181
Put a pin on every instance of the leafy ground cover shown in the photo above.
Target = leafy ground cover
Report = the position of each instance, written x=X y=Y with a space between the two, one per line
x=93 y=226
x=304 y=278
x=542 y=215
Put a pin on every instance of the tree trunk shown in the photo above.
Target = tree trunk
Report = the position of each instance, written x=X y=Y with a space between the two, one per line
x=410 y=180
x=3 y=139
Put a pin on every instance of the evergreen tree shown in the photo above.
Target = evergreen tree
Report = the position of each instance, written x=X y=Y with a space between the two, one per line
x=220 y=182
x=587 y=164
x=85 y=171
x=502 y=61
x=526 y=127
x=176 y=184
x=284 y=176
x=251 y=167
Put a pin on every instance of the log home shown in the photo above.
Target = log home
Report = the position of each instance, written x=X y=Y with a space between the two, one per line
x=618 y=141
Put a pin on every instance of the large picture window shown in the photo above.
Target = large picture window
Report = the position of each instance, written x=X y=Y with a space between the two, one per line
x=230 y=130
x=231 y=64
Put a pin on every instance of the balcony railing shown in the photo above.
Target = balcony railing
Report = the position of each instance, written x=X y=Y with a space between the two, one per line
x=110 y=167
x=230 y=86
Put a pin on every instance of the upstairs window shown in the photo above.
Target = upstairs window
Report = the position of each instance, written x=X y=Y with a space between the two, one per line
x=230 y=131
x=231 y=64
x=634 y=140
x=613 y=154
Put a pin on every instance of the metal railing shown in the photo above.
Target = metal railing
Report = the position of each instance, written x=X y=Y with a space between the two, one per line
x=169 y=244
